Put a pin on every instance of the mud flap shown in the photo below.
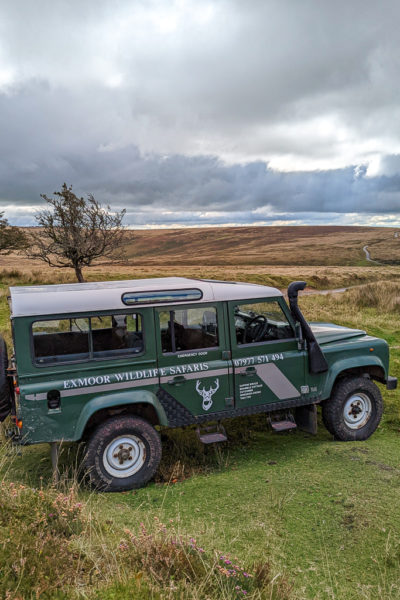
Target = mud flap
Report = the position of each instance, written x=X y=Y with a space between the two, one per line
x=306 y=418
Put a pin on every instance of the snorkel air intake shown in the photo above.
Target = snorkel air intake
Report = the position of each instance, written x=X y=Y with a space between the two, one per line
x=316 y=359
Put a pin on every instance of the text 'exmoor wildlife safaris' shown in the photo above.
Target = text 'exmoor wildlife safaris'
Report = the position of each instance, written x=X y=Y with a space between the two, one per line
x=80 y=382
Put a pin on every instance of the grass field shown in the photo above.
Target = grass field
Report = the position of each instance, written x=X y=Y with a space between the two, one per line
x=308 y=517
x=323 y=245
x=256 y=246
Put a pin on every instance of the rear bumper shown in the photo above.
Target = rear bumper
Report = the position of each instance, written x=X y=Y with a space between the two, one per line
x=391 y=383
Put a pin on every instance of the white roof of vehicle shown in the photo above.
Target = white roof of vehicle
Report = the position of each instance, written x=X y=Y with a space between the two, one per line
x=107 y=295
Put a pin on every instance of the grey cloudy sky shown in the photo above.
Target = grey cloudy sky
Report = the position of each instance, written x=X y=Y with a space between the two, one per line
x=203 y=112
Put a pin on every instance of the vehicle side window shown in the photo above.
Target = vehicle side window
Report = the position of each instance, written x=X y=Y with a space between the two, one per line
x=261 y=322
x=188 y=329
x=61 y=340
x=117 y=334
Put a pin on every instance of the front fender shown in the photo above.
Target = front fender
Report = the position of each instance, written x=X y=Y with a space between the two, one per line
x=344 y=365
x=115 y=400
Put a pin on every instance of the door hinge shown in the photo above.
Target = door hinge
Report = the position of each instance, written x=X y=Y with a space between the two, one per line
x=301 y=344
x=229 y=401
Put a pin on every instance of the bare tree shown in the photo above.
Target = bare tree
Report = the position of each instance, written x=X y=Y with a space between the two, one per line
x=74 y=232
x=11 y=238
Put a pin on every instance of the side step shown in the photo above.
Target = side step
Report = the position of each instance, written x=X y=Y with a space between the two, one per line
x=212 y=434
x=282 y=424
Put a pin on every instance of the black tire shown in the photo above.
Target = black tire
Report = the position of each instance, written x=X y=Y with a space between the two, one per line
x=5 y=391
x=326 y=423
x=108 y=462
x=354 y=410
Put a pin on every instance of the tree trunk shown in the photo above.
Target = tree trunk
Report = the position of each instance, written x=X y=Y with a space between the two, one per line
x=78 y=273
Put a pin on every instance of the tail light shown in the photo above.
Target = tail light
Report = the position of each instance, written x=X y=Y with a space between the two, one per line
x=18 y=422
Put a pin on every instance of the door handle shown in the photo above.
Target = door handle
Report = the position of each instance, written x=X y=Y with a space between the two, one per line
x=177 y=380
x=250 y=371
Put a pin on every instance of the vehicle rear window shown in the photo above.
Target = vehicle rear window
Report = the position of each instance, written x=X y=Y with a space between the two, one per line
x=75 y=339
x=188 y=329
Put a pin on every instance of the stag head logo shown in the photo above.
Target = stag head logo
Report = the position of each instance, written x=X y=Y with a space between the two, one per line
x=207 y=394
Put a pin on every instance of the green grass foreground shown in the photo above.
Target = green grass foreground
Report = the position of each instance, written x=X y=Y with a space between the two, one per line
x=306 y=517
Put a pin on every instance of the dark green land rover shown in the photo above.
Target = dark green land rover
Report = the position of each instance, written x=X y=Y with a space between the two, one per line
x=109 y=363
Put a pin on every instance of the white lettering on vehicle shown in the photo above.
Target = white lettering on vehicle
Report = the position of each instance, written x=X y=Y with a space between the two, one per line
x=262 y=359
x=192 y=354
x=144 y=374
x=87 y=381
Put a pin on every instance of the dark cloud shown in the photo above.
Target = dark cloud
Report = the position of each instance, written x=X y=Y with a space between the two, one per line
x=202 y=189
x=217 y=111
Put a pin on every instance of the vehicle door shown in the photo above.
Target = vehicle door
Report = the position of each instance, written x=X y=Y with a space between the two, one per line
x=268 y=361
x=194 y=357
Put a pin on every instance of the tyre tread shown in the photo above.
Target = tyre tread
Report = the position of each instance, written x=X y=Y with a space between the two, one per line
x=332 y=409
x=101 y=437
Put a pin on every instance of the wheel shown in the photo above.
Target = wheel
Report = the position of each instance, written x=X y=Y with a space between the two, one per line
x=5 y=392
x=354 y=410
x=123 y=453
x=325 y=422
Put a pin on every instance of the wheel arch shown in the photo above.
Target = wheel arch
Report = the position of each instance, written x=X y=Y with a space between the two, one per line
x=370 y=366
x=141 y=403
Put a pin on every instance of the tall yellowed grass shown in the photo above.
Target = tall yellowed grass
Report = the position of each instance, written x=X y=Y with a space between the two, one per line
x=382 y=295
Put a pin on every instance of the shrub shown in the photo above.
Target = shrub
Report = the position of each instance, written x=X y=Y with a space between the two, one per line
x=51 y=549
x=173 y=561
x=37 y=532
